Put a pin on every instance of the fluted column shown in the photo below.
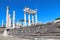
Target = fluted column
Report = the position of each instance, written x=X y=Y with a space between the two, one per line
x=29 y=19
x=13 y=19
x=24 y=18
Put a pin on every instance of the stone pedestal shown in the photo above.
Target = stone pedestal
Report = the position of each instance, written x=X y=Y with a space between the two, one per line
x=5 y=33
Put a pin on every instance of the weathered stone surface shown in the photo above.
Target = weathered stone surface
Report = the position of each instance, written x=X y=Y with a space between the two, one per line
x=49 y=29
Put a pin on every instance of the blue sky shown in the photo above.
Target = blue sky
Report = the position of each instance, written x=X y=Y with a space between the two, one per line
x=48 y=10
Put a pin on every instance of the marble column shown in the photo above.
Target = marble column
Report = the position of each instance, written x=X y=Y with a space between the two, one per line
x=9 y=21
x=32 y=18
x=24 y=18
x=36 y=18
x=2 y=23
x=13 y=19
x=7 y=13
x=29 y=19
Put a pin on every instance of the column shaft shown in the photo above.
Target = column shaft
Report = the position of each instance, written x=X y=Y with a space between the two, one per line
x=13 y=19
x=36 y=18
x=7 y=14
x=24 y=18
x=2 y=23
x=32 y=18
x=28 y=19
x=9 y=21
